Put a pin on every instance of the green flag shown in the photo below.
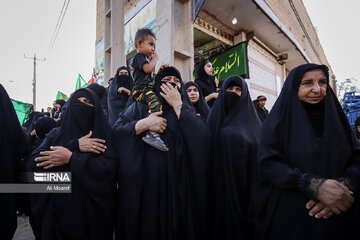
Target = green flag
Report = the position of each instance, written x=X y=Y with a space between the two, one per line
x=233 y=61
x=22 y=110
x=61 y=95
x=80 y=83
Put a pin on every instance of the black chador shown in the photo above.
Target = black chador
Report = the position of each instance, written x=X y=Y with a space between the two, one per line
x=205 y=82
x=201 y=107
x=300 y=145
x=235 y=130
x=117 y=101
x=88 y=212
x=12 y=148
x=162 y=195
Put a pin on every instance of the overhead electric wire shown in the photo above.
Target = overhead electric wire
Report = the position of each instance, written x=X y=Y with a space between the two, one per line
x=58 y=26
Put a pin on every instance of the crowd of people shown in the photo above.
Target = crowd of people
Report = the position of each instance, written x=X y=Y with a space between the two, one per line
x=156 y=158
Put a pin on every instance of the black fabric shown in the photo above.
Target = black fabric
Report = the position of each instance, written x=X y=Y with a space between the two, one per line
x=289 y=150
x=88 y=212
x=316 y=114
x=162 y=195
x=117 y=101
x=82 y=113
x=43 y=126
x=235 y=133
x=205 y=82
x=29 y=124
x=230 y=100
x=102 y=94
x=201 y=107
x=357 y=123
x=141 y=79
x=12 y=148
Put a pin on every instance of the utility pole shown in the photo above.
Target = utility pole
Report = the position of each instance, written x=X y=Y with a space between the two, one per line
x=34 y=79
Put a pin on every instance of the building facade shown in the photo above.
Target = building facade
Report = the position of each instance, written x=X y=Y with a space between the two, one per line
x=279 y=36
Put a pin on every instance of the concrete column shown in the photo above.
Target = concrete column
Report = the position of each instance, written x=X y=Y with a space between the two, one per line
x=117 y=35
x=175 y=36
x=164 y=32
x=184 y=39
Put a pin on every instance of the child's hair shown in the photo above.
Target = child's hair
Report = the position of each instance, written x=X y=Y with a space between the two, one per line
x=142 y=33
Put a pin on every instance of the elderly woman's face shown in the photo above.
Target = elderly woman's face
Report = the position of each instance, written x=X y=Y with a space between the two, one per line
x=193 y=94
x=172 y=79
x=86 y=101
x=313 y=86
x=123 y=72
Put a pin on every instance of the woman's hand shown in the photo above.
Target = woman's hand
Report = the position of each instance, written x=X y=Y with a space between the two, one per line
x=162 y=67
x=93 y=145
x=125 y=90
x=172 y=97
x=211 y=96
x=319 y=210
x=57 y=157
x=153 y=123
x=217 y=84
x=335 y=196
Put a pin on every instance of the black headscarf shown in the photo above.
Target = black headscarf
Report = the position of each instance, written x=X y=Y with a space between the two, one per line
x=12 y=148
x=205 y=82
x=101 y=92
x=117 y=101
x=91 y=206
x=43 y=126
x=167 y=186
x=291 y=154
x=201 y=107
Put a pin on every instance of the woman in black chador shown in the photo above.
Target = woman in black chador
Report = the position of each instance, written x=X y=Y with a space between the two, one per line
x=118 y=93
x=207 y=83
x=88 y=212
x=197 y=100
x=309 y=163
x=12 y=148
x=235 y=130
x=162 y=195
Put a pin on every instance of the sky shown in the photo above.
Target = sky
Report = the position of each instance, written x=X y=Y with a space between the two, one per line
x=26 y=28
x=337 y=27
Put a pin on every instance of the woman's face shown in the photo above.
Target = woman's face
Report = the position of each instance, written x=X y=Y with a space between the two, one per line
x=172 y=79
x=193 y=94
x=235 y=89
x=208 y=68
x=123 y=72
x=86 y=101
x=313 y=86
